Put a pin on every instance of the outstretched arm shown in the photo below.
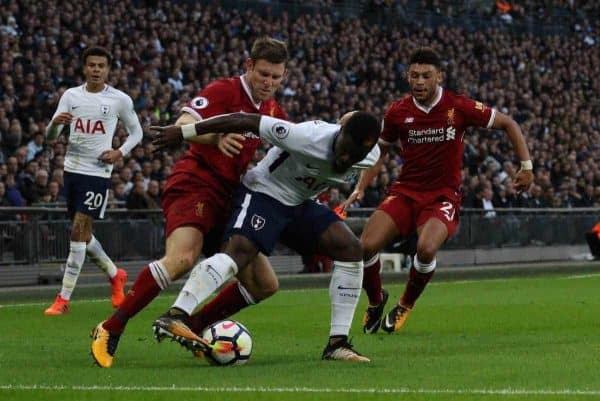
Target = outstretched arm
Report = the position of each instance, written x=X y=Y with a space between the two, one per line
x=173 y=135
x=524 y=176
x=366 y=176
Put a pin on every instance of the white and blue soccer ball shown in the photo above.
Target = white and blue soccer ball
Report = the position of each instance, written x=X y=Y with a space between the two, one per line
x=231 y=341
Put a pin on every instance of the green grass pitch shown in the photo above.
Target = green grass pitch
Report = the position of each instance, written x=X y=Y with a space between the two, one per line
x=508 y=339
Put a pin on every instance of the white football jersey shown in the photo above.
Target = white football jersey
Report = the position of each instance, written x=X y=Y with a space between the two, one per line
x=300 y=166
x=95 y=118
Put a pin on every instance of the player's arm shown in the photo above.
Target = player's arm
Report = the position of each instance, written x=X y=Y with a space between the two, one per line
x=524 y=176
x=173 y=135
x=134 y=130
x=366 y=176
x=61 y=118
x=229 y=144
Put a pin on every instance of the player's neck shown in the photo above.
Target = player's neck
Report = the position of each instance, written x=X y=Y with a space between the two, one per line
x=94 y=88
x=433 y=99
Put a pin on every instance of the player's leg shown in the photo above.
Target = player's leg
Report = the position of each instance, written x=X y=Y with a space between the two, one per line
x=81 y=231
x=392 y=219
x=339 y=243
x=98 y=199
x=254 y=226
x=254 y=284
x=436 y=222
x=184 y=230
x=182 y=250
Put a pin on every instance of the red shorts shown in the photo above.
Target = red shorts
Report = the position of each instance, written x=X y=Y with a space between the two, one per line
x=410 y=209
x=204 y=208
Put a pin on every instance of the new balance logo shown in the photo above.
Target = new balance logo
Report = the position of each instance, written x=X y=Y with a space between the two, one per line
x=409 y=120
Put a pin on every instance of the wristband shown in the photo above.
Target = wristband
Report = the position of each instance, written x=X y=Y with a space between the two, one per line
x=189 y=131
x=526 y=165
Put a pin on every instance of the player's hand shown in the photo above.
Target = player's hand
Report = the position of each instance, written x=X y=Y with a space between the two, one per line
x=523 y=180
x=63 y=118
x=110 y=156
x=166 y=137
x=231 y=144
x=357 y=194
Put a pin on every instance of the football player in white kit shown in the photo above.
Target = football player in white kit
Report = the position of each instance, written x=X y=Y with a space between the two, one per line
x=92 y=112
x=275 y=203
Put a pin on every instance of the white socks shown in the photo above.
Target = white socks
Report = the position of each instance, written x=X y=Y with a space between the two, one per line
x=72 y=268
x=160 y=274
x=424 y=267
x=100 y=258
x=344 y=291
x=204 y=279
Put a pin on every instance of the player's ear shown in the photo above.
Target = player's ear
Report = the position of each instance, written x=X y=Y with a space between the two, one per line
x=440 y=77
x=249 y=64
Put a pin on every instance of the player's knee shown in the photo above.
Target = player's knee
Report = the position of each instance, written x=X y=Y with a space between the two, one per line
x=426 y=251
x=369 y=246
x=181 y=263
x=352 y=250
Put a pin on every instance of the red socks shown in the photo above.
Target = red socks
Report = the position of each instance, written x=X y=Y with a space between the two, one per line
x=414 y=286
x=372 y=282
x=143 y=290
x=227 y=302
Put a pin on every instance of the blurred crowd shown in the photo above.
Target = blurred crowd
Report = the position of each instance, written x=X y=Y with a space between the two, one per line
x=164 y=52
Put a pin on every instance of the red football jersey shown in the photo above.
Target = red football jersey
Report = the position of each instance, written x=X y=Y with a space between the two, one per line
x=206 y=162
x=432 y=139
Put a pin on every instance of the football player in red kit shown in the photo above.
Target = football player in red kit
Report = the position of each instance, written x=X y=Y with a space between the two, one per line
x=197 y=196
x=430 y=124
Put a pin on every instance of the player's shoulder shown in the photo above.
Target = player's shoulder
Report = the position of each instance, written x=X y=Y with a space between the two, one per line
x=74 y=91
x=452 y=97
x=114 y=92
x=400 y=106
x=223 y=84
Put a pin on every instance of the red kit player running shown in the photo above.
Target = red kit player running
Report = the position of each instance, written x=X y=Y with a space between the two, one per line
x=197 y=196
x=430 y=124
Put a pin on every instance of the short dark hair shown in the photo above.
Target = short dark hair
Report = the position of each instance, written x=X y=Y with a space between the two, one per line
x=426 y=55
x=363 y=127
x=272 y=50
x=96 y=51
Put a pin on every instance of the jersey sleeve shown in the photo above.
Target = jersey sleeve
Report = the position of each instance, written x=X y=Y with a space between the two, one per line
x=476 y=114
x=389 y=131
x=370 y=160
x=210 y=101
x=296 y=138
x=130 y=119
x=64 y=104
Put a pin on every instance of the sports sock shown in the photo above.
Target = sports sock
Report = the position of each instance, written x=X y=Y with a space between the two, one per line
x=72 y=268
x=418 y=277
x=230 y=300
x=100 y=258
x=148 y=284
x=372 y=280
x=204 y=279
x=344 y=291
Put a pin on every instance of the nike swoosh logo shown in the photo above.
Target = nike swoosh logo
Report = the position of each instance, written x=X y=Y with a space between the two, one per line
x=347 y=288
x=74 y=107
x=229 y=325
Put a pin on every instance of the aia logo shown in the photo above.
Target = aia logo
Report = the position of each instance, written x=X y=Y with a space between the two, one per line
x=85 y=126
x=257 y=222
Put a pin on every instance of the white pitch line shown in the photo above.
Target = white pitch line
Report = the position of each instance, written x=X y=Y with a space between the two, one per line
x=401 y=390
x=578 y=276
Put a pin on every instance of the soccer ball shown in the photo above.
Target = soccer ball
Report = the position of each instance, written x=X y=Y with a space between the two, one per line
x=231 y=341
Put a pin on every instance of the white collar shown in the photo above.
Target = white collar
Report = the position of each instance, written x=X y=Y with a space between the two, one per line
x=249 y=92
x=427 y=109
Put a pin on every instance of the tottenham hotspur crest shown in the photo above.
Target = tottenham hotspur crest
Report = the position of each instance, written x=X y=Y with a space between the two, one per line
x=257 y=222
x=105 y=109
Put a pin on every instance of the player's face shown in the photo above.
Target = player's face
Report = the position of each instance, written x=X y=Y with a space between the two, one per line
x=424 y=80
x=264 y=78
x=347 y=152
x=95 y=70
